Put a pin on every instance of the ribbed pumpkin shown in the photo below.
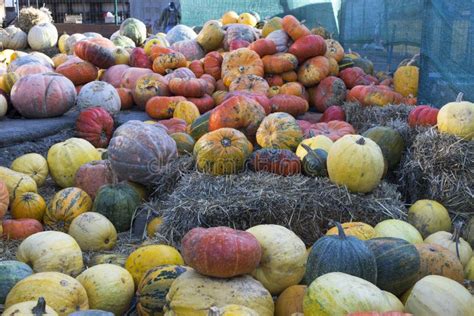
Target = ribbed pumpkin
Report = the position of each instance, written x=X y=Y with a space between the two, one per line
x=398 y=263
x=4 y=199
x=457 y=118
x=279 y=130
x=42 y=36
x=11 y=272
x=63 y=293
x=109 y=288
x=96 y=126
x=223 y=151
x=453 y=243
x=33 y=307
x=398 y=229
x=93 y=232
x=28 y=205
x=405 y=79
x=423 y=115
x=16 y=183
x=340 y=253
x=437 y=260
x=359 y=230
x=250 y=83
x=33 y=165
x=242 y=61
x=92 y=175
x=212 y=64
x=390 y=142
x=147 y=87
x=429 y=217
x=290 y=301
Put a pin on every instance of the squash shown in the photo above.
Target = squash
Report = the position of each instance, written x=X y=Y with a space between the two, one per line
x=66 y=205
x=168 y=61
x=232 y=309
x=337 y=293
x=31 y=69
x=98 y=51
x=174 y=125
x=279 y=130
x=263 y=100
x=291 y=104
x=242 y=61
x=294 y=28
x=283 y=257
x=279 y=161
x=334 y=50
x=398 y=229
x=355 y=76
x=122 y=41
x=28 y=205
x=281 y=40
x=101 y=94
x=457 y=118
x=290 y=301
x=200 y=126
x=42 y=36
x=423 y=115
x=204 y=104
x=17 y=183
x=313 y=70
x=63 y=293
x=279 y=63
x=211 y=36
x=197 y=67
x=308 y=46
x=109 y=288
x=390 y=142
x=271 y=25
x=136 y=58
x=147 y=87
x=330 y=91
x=96 y=126
x=159 y=107
x=405 y=79
x=20 y=228
x=315 y=162
x=368 y=95
x=33 y=165
x=134 y=29
x=429 y=217
x=4 y=199
x=437 y=295
x=190 y=49
x=11 y=272
x=126 y=98
x=192 y=87
x=359 y=230
x=398 y=263
x=437 y=260
x=8 y=80
x=239 y=34
x=13 y=37
x=340 y=253
x=250 y=83
x=180 y=33
x=147 y=257
x=92 y=175
x=127 y=78
x=4 y=105
x=186 y=111
x=453 y=243
x=154 y=224
x=152 y=290
x=212 y=63
x=317 y=142
x=192 y=293
x=469 y=270
x=263 y=47
x=30 y=308
x=93 y=232
x=230 y=17
x=78 y=71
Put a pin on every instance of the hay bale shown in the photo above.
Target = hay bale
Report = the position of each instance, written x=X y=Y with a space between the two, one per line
x=439 y=167
x=303 y=204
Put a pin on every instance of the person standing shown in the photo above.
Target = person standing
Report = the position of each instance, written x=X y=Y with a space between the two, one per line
x=169 y=18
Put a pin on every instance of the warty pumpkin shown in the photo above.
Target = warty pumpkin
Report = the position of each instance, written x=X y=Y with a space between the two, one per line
x=242 y=61
x=354 y=76
x=312 y=71
x=16 y=183
x=437 y=260
x=279 y=130
x=429 y=217
x=28 y=205
x=127 y=78
x=33 y=165
x=330 y=91
x=96 y=126
x=374 y=95
x=279 y=161
x=250 y=83
x=334 y=50
x=398 y=229
x=19 y=229
x=294 y=88
x=93 y=232
x=147 y=87
x=457 y=118
x=262 y=99
x=171 y=60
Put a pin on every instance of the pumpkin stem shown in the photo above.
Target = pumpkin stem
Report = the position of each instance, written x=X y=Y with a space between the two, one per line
x=309 y=150
x=40 y=308
x=413 y=59
x=340 y=229
x=459 y=97
x=361 y=141
x=456 y=235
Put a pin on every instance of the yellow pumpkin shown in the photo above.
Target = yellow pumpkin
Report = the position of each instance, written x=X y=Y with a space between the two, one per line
x=211 y=36
x=93 y=232
x=121 y=55
x=272 y=25
x=469 y=270
x=63 y=293
x=290 y=301
x=360 y=230
x=145 y=258
x=65 y=158
x=429 y=217
x=51 y=251
x=17 y=183
x=186 y=111
x=232 y=310
x=283 y=260
x=66 y=205
x=398 y=229
x=62 y=43
x=158 y=40
x=247 y=19
x=27 y=308
x=109 y=288
x=405 y=79
x=279 y=130
x=457 y=118
x=33 y=165
x=8 y=80
x=448 y=240
x=153 y=226
x=28 y=205
x=317 y=142
x=194 y=294
x=230 y=17
x=356 y=162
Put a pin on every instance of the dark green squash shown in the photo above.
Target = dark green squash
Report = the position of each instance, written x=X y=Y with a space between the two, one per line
x=200 y=126
x=184 y=142
x=117 y=202
x=390 y=142
x=340 y=253
x=11 y=272
x=366 y=65
x=398 y=262
x=345 y=63
x=315 y=162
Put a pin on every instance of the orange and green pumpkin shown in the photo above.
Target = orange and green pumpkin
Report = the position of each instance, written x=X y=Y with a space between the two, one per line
x=184 y=142
x=200 y=126
x=279 y=130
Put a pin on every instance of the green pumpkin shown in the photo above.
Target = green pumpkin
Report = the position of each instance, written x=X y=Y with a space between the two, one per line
x=117 y=202
x=340 y=253
x=134 y=29
x=390 y=142
x=184 y=143
x=152 y=291
x=345 y=63
x=123 y=41
x=315 y=162
x=200 y=126
x=366 y=65
x=11 y=272
x=398 y=262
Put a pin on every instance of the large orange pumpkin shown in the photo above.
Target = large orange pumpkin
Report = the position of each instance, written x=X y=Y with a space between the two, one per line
x=4 y=199
x=147 y=87
x=172 y=60
x=162 y=107
x=242 y=61
x=313 y=71
x=308 y=46
x=294 y=28
x=192 y=87
x=78 y=71
x=333 y=130
x=250 y=83
x=279 y=63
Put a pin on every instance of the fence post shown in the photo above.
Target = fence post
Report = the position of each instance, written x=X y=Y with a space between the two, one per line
x=116 y=11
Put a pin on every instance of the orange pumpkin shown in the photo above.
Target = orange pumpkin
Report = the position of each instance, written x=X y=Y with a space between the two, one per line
x=126 y=98
x=355 y=76
x=294 y=28
x=197 y=67
x=289 y=76
x=28 y=205
x=4 y=199
x=374 y=95
x=162 y=107
x=19 y=229
x=274 y=80
x=262 y=99
x=204 y=103
x=334 y=50
x=147 y=87
x=437 y=260
x=263 y=47
x=308 y=46
x=333 y=67
x=172 y=60
x=294 y=88
x=279 y=63
x=290 y=301
x=291 y=104
x=157 y=50
x=130 y=76
x=242 y=61
x=330 y=91
x=78 y=71
x=313 y=71
x=188 y=87
x=332 y=129
x=211 y=83
x=212 y=64
x=250 y=83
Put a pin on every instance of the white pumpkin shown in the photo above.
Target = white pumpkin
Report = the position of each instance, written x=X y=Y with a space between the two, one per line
x=13 y=37
x=3 y=106
x=42 y=36
x=99 y=93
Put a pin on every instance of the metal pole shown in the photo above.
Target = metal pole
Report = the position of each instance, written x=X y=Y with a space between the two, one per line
x=116 y=11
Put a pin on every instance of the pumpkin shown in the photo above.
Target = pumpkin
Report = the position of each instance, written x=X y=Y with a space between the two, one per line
x=13 y=37
x=113 y=75
x=204 y=104
x=147 y=87
x=330 y=91
x=274 y=81
x=171 y=60
x=390 y=142
x=199 y=127
x=242 y=61
x=78 y=71
x=230 y=17
x=186 y=111
x=423 y=115
x=374 y=95
x=313 y=70
x=211 y=36
x=160 y=107
x=197 y=67
x=291 y=104
x=365 y=64
x=457 y=118
x=279 y=130
x=337 y=293
x=20 y=228
x=126 y=98
x=134 y=29
x=359 y=230
x=4 y=198
x=33 y=165
x=152 y=146
x=30 y=308
x=232 y=309
x=340 y=253
x=437 y=295
x=62 y=293
x=314 y=162
x=250 y=83
x=11 y=272
x=99 y=94
x=271 y=25
x=122 y=41
x=180 y=33
x=99 y=52
x=317 y=142
x=405 y=79
x=100 y=258
x=334 y=50
x=239 y=33
x=96 y=126
x=16 y=183
x=109 y=287
x=189 y=48
x=71 y=42
x=118 y=203
x=279 y=161
x=4 y=105
x=294 y=88
x=263 y=47
x=469 y=270
x=152 y=290
x=92 y=175
x=281 y=40
x=294 y=28
x=356 y=162
x=398 y=263
x=308 y=46
x=469 y=232
x=43 y=95
x=211 y=83
x=192 y=87
x=289 y=76
x=8 y=80
x=429 y=217
x=212 y=64
x=223 y=151
x=42 y=36
x=283 y=257
x=279 y=63
x=160 y=41
x=334 y=130
x=354 y=76
x=290 y=301
x=93 y=232
x=138 y=58
x=333 y=67
x=155 y=223
x=263 y=100
x=31 y=69
x=194 y=293
x=398 y=229
x=333 y=113
x=437 y=260
x=28 y=205
x=453 y=243
x=174 y=125
x=128 y=78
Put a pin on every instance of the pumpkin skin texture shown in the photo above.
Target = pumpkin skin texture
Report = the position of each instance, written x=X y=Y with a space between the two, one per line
x=291 y=104
x=19 y=229
x=193 y=87
x=290 y=301
x=4 y=199
x=33 y=165
x=334 y=50
x=28 y=205
x=78 y=71
x=93 y=232
x=186 y=111
x=279 y=63
x=126 y=98
x=12 y=272
x=313 y=71
x=308 y=46
x=457 y=118
x=95 y=53
x=447 y=240
x=151 y=145
x=212 y=64
x=390 y=142
x=138 y=58
x=63 y=293
x=398 y=229
x=152 y=290
x=333 y=113
x=211 y=36
x=337 y=293
x=334 y=130
x=263 y=100
x=279 y=161
x=128 y=78
x=43 y=95
x=109 y=288
x=429 y=217
x=340 y=253
x=398 y=263
x=279 y=130
x=242 y=61
x=96 y=126
x=423 y=115
x=194 y=294
x=437 y=295
x=330 y=91
x=160 y=107
x=171 y=60
x=190 y=49
x=199 y=127
x=113 y=75
x=239 y=251
x=147 y=87
x=204 y=104
x=347 y=167
x=99 y=94
x=16 y=183
x=283 y=257
x=437 y=260
x=294 y=28
x=263 y=47
x=92 y=175
x=250 y=83
x=271 y=25
x=144 y=258
x=359 y=230
x=374 y=95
